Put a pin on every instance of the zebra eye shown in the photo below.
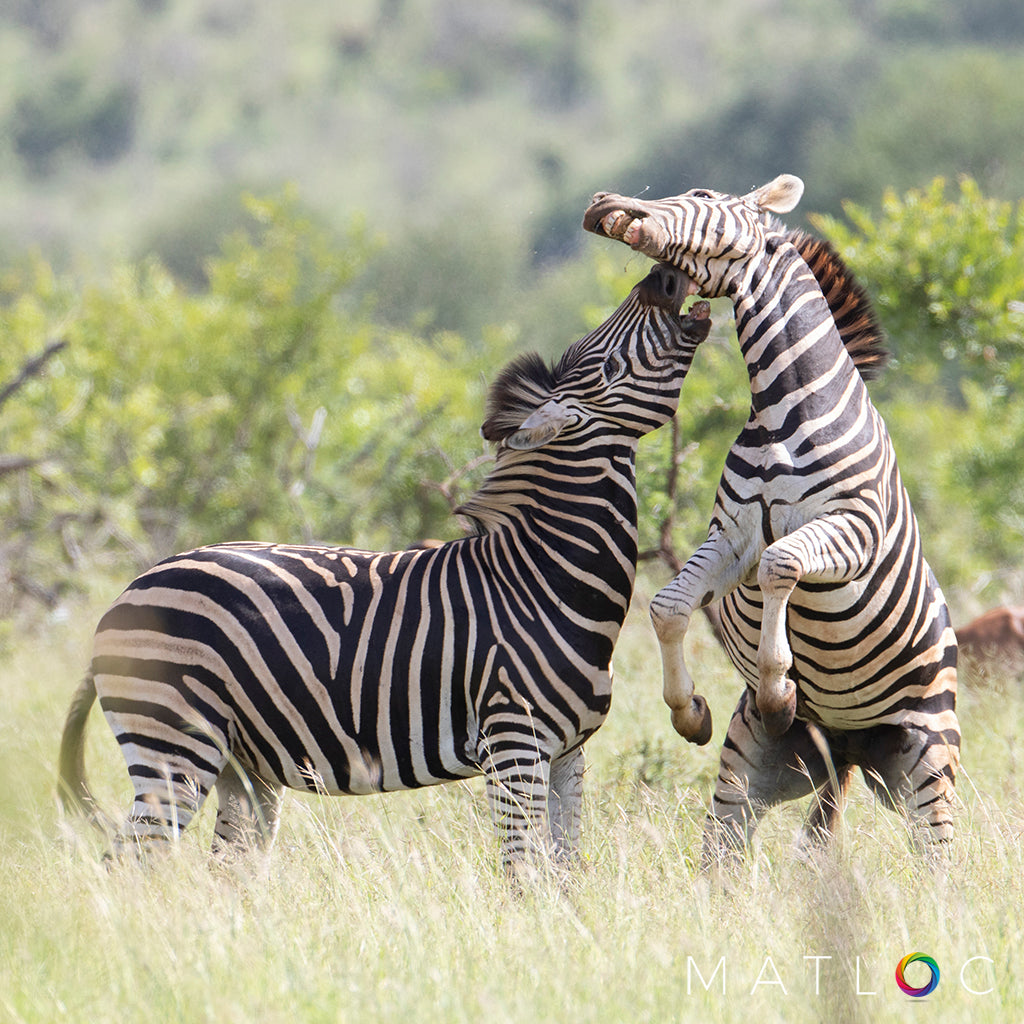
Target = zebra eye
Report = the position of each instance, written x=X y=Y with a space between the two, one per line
x=700 y=193
x=614 y=367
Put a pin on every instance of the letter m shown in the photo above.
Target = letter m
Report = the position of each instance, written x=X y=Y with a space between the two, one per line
x=692 y=968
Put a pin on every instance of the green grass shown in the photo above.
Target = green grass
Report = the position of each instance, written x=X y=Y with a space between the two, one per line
x=392 y=908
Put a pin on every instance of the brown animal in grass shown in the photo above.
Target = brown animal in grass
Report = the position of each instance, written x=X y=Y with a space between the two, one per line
x=994 y=641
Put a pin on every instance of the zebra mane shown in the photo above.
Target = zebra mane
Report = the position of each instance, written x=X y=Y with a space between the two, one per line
x=522 y=387
x=851 y=308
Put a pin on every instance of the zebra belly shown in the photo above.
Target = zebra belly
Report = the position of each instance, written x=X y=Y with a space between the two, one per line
x=192 y=677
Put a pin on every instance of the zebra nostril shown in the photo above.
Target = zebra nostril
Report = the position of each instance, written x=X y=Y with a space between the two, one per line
x=670 y=286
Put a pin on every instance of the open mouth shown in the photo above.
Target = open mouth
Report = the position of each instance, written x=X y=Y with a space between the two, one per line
x=668 y=287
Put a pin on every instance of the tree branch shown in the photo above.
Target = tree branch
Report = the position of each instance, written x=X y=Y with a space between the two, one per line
x=31 y=368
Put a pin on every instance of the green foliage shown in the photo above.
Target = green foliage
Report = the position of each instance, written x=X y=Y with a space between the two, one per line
x=262 y=407
x=947 y=275
x=472 y=134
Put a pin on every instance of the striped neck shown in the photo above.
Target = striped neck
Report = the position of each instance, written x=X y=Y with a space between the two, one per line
x=794 y=354
x=575 y=511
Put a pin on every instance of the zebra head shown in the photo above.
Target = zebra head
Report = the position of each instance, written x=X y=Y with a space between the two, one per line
x=708 y=235
x=623 y=377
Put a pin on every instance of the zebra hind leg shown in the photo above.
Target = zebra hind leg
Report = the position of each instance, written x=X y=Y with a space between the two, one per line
x=248 y=811
x=758 y=771
x=913 y=770
x=565 y=803
x=172 y=768
x=166 y=800
x=826 y=809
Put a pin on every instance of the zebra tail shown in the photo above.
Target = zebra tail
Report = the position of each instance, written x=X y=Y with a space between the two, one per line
x=72 y=790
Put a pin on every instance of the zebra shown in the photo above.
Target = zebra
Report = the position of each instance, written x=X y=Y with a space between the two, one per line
x=829 y=610
x=254 y=667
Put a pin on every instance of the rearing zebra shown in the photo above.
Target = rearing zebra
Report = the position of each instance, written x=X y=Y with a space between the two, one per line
x=253 y=667
x=829 y=609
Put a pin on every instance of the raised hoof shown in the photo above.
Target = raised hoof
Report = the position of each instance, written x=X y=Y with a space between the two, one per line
x=694 y=723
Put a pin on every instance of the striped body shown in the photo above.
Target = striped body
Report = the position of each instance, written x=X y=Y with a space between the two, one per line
x=829 y=609
x=253 y=667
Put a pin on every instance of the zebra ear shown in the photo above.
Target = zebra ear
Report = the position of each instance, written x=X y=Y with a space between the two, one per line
x=780 y=195
x=541 y=426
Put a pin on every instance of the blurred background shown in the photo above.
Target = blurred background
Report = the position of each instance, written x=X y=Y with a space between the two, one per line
x=258 y=261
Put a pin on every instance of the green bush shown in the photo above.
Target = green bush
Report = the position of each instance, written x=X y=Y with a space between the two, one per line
x=261 y=407
x=947 y=275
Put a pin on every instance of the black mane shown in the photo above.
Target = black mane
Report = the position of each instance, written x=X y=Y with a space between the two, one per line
x=851 y=308
x=526 y=383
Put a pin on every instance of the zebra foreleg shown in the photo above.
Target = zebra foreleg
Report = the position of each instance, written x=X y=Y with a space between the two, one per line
x=565 y=803
x=712 y=572
x=517 y=784
x=830 y=549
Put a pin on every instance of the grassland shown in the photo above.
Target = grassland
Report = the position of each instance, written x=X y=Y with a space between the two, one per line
x=393 y=909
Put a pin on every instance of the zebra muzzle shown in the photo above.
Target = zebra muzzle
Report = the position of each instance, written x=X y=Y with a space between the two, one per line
x=668 y=286
x=626 y=220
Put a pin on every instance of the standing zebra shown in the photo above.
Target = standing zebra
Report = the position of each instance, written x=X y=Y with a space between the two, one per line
x=829 y=610
x=253 y=667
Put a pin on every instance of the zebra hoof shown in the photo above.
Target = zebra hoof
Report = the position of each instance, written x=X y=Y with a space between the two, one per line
x=694 y=722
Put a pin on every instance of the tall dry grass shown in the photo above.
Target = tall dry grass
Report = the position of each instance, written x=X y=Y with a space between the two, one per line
x=392 y=908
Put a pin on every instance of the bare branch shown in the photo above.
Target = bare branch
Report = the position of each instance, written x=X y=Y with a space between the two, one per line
x=31 y=368
x=12 y=463
x=447 y=487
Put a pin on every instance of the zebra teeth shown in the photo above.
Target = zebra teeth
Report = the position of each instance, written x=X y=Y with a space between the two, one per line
x=618 y=224
x=700 y=310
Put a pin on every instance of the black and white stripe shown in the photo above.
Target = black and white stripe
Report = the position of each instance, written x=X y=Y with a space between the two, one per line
x=829 y=610
x=253 y=667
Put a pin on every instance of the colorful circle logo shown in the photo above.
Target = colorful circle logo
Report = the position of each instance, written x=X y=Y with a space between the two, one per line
x=924 y=990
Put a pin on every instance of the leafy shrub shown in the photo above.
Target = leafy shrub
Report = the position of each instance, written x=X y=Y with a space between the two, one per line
x=261 y=407
x=947 y=275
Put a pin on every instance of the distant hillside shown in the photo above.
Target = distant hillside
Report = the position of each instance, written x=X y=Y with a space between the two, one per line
x=470 y=135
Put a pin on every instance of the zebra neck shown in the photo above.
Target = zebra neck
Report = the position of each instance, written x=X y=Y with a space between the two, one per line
x=794 y=355
x=575 y=507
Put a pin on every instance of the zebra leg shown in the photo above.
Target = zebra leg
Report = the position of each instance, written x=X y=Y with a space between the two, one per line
x=172 y=767
x=167 y=798
x=826 y=808
x=518 y=781
x=757 y=771
x=913 y=769
x=248 y=811
x=565 y=803
x=712 y=572
x=830 y=549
